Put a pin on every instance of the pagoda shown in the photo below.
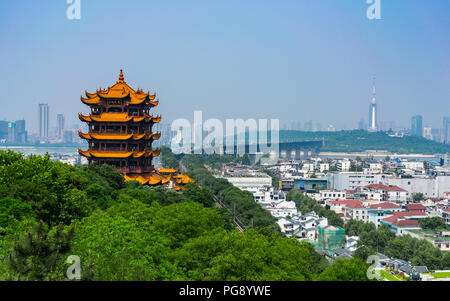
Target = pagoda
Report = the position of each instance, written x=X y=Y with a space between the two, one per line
x=121 y=134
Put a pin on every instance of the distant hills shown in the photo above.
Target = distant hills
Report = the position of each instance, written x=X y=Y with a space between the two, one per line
x=360 y=141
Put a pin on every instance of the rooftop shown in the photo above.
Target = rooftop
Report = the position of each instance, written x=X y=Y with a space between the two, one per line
x=383 y=205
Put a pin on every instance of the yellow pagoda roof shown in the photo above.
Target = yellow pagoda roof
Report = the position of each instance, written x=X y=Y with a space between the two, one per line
x=147 y=178
x=118 y=117
x=120 y=90
x=167 y=170
x=118 y=154
x=107 y=136
x=155 y=178
x=183 y=179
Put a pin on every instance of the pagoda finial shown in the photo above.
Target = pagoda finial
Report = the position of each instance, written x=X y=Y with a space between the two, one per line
x=121 y=78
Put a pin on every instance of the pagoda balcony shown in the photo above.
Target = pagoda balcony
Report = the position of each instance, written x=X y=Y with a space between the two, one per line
x=117 y=132
x=135 y=169
x=118 y=149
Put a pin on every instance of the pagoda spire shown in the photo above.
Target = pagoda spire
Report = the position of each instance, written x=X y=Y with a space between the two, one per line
x=121 y=77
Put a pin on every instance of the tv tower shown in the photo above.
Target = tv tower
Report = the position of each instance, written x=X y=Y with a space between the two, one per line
x=373 y=110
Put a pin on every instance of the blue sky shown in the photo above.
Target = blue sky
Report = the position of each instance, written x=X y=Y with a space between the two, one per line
x=292 y=60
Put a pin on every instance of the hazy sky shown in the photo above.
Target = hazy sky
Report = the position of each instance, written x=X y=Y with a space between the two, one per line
x=292 y=60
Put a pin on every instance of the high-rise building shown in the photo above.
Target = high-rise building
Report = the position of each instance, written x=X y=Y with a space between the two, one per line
x=373 y=124
x=3 y=129
x=60 y=126
x=308 y=126
x=416 y=126
x=446 y=130
x=318 y=127
x=437 y=134
x=11 y=132
x=427 y=133
x=21 y=133
x=43 y=120
x=68 y=136
x=361 y=125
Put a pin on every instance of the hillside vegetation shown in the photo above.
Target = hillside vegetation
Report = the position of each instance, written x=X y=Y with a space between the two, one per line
x=127 y=231
x=359 y=140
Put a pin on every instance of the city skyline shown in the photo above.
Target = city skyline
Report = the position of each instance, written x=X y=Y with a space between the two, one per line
x=221 y=67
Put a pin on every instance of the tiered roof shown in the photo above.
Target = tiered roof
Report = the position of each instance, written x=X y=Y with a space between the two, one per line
x=118 y=117
x=111 y=136
x=162 y=176
x=120 y=90
x=119 y=154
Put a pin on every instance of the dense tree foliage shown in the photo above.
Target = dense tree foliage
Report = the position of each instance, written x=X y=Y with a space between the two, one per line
x=38 y=253
x=346 y=270
x=127 y=231
x=168 y=160
x=433 y=223
x=419 y=252
x=215 y=161
x=240 y=202
x=405 y=247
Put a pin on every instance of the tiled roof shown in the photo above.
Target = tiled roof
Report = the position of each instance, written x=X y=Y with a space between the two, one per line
x=406 y=223
x=395 y=188
x=355 y=205
x=383 y=205
x=415 y=207
x=412 y=212
x=377 y=186
x=393 y=218
x=346 y=202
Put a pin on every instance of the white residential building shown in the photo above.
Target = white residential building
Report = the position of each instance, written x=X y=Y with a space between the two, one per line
x=356 y=212
x=250 y=182
x=351 y=180
x=397 y=194
x=324 y=167
x=332 y=195
x=343 y=165
x=429 y=186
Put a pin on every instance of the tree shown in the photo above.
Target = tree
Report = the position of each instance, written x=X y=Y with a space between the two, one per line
x=168 y=159
x=418 y=197
x=12 y=210
x=246 y=159
x=248 y=256
x=433 y=223
x=133 y=241
x=418 y=251
x=38 y=254
x=345 y=270
x=200 y=194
